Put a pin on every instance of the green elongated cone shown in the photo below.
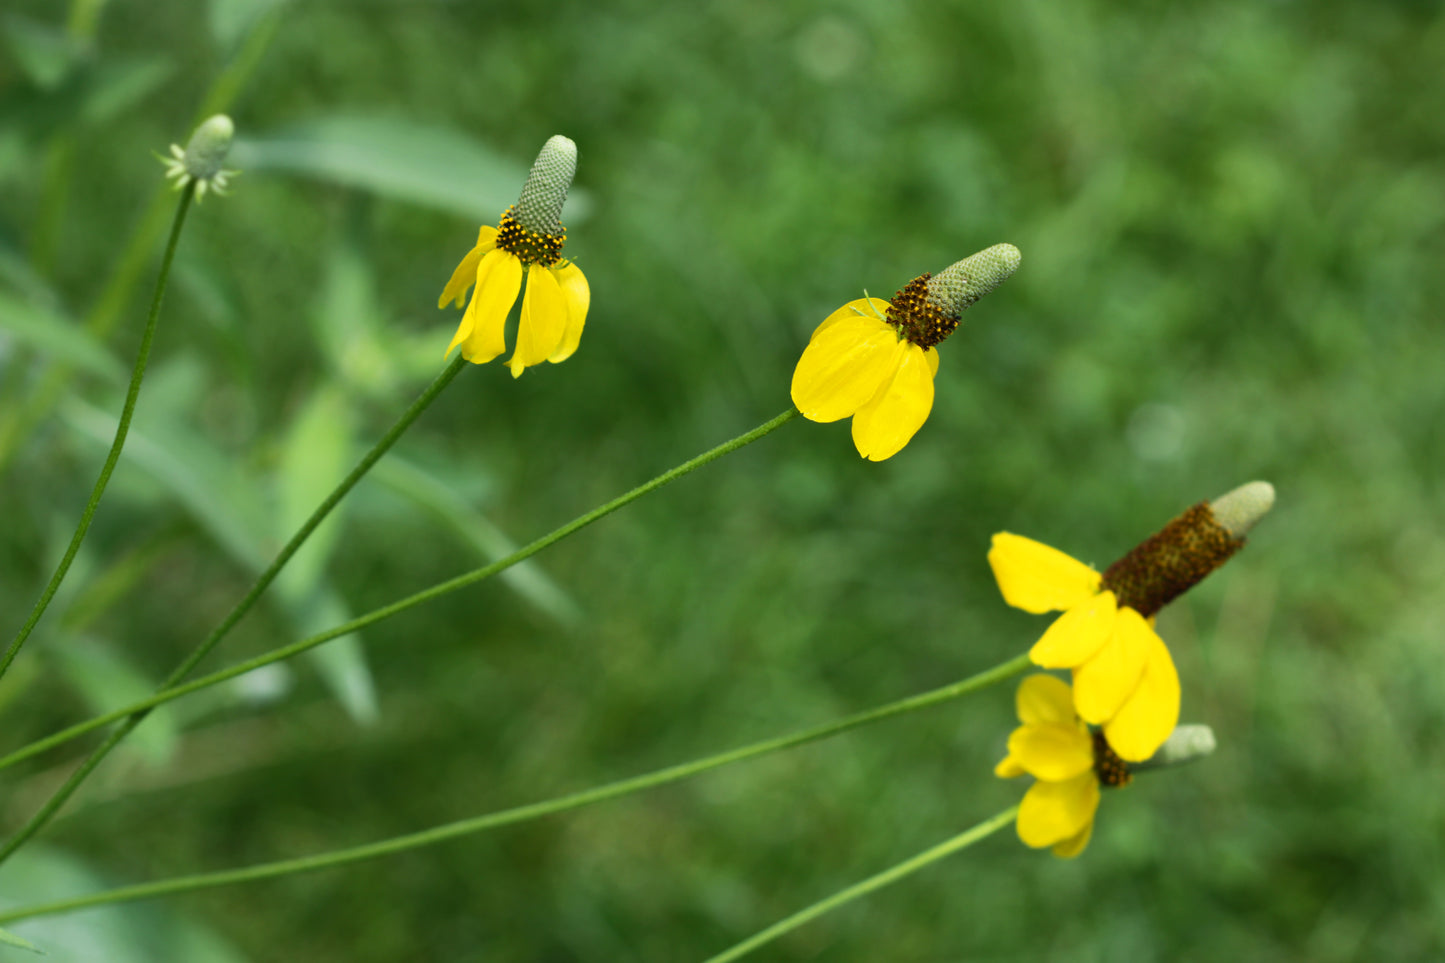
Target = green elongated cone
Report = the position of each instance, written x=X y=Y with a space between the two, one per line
x=1186 y=743
x=539 y=208
x=956 y=287
x=207 y=149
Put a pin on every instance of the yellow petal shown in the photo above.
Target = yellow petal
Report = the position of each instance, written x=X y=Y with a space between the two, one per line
x=932 y=357
x=1008 y=768
x=466 y=273
x=579 y=298
x=1078 y=634
x=1052 y=812
x=1070 y=848
x=852 y=310
x=1103 y=683
x=1045 y=698
x=464 y=330
x=891 y=418
x=1142 y=723
x=843 y=367
x=1036 y=578
x=544 y=320
x=499 y=277
x=1052 y=751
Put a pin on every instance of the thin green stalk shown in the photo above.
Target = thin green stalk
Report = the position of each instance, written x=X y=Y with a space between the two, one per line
x=59 y=797
x=507 y=817
x=386 y=611
x=122 y=428
x=961 y=841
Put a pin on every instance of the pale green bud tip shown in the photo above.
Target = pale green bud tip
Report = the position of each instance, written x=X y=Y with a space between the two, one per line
x=959 y=285
x=540 y=206
x=1239 y=510
x=201 y=161
x=1185 y=744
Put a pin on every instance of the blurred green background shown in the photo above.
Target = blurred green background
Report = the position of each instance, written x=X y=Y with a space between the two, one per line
x=1232 y=216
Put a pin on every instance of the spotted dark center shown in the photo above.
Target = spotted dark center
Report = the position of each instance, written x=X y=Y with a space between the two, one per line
x=1170 y=562
x=1111 y=770
x=917 y=318
x=529 y=246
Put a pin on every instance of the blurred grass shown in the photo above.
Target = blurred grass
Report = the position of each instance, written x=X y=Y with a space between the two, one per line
x=1232 y=219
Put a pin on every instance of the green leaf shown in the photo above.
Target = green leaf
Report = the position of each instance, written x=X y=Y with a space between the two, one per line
x=231 y=20
x=46 y=54
x=317 y=454
x=107 y=680
x=10 y=939
x=432 y=166
x=50 y=333
x=120 y=85
x=434 y=495
x=340 y=662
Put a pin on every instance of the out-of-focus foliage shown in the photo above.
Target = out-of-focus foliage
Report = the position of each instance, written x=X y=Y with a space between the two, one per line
x=1232 y=216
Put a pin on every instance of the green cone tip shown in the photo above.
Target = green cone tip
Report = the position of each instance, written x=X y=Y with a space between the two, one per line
x=1186 y=743
x=1238 y=511
x=208 y=147
x=959 y=285
x=540 y=206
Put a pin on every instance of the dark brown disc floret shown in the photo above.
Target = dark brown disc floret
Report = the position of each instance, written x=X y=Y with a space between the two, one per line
x=529 y=246
x=1170 y=562
x=917 y=317
x=1111 y=770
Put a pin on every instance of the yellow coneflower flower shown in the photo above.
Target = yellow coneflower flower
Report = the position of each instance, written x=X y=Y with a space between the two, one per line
x=1124 y=677
x=1068 y=763
x=528 y=241
x=875 y=359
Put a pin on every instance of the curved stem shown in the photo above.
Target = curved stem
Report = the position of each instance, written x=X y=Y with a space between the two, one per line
x=507 y=817
x=122 y=428
x=386 y=611
x=58 y=798
x=961 y=841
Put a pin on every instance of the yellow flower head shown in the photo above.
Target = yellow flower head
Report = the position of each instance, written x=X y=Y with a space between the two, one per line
x=1124 y=678
x=1068 y=762
x=528 y=241
x=875 y=359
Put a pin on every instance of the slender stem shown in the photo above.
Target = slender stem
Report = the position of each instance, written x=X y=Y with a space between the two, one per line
x=507 y=817
x=59 y=797
x=122 y=428
x=961 y=841
x=386 y=611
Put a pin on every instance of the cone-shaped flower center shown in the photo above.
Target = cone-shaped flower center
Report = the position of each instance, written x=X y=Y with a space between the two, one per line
x=531 y=247
x=917 y=317
x=1111 y=770
x=928 y=308
x=1171 y=561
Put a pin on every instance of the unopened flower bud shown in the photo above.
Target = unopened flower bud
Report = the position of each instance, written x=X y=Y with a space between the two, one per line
x=201 y=161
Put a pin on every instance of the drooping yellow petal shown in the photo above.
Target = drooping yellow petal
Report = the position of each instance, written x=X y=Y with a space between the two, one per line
x=1045 y=698
x=853 y=309
x=1070 y=848
x=1078 y=634
x=893 y=416
x=1142 y=723
x=464 y=329
x=1103 y=683
x=1008 y=768
x=932 y=356
x=499 y=277
x=579 y=298
x=544 y=320
x=844 y=366
x=1052 y=751
x=466 y=273
x=1052 y=812
x=1036 y=578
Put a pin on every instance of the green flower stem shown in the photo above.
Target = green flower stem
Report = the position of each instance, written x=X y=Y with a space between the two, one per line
x=59 y=797
x=386 y=611
x=122 y=428
x=507 y=817
x=961 y=841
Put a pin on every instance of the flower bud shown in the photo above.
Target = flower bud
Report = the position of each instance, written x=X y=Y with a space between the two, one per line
x=202 y=159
